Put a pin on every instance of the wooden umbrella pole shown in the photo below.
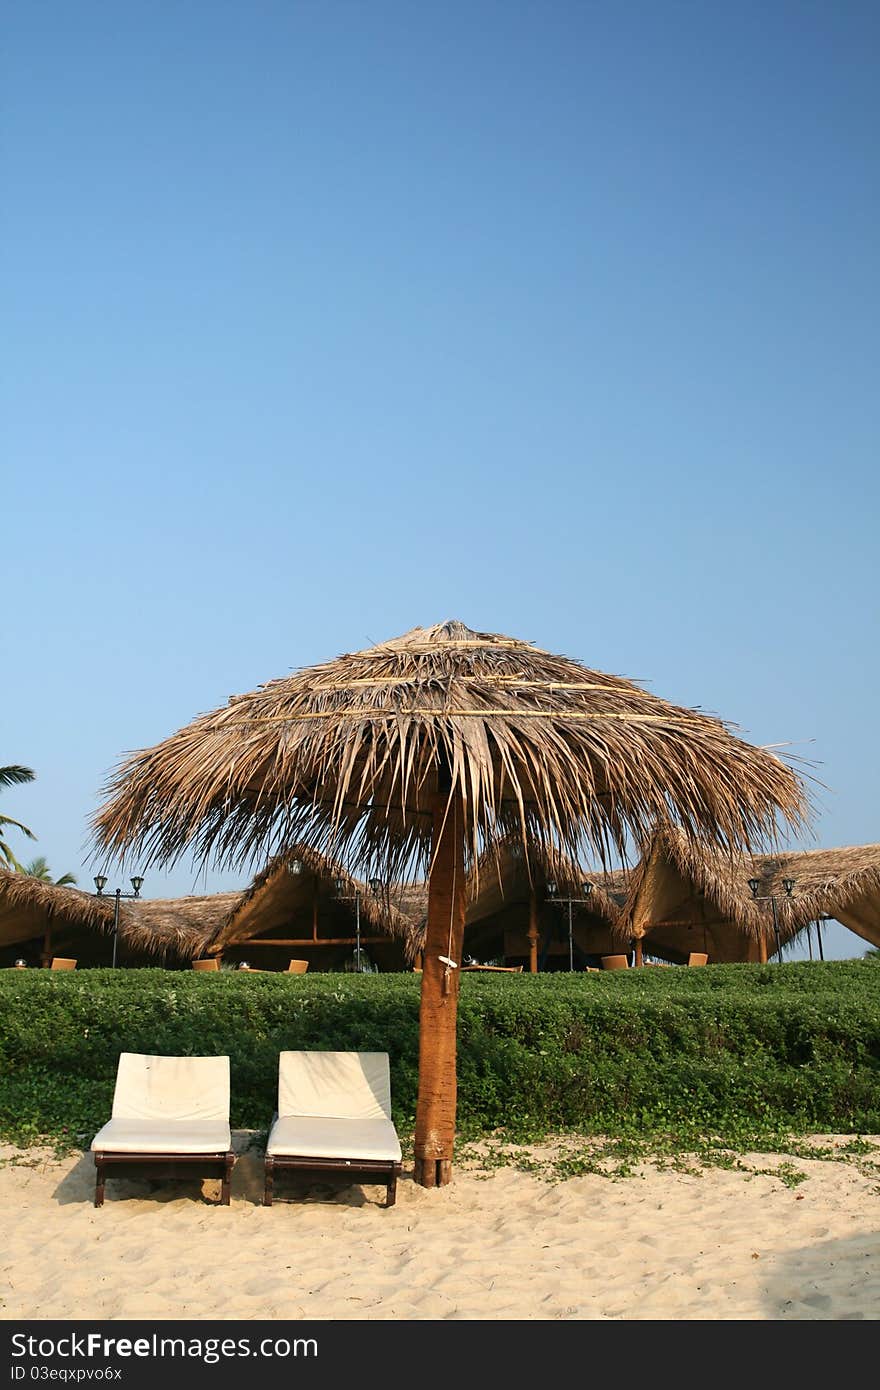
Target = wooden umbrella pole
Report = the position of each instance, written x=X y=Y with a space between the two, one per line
x=435 y=1111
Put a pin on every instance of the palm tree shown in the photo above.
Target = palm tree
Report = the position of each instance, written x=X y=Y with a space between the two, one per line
x=39 y=868
x=11 y=776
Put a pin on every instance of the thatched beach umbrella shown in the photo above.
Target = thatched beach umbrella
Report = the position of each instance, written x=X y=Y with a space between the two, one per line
x=419 y=753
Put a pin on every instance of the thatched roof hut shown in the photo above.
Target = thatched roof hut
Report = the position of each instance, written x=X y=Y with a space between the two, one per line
x=686 y=897
x=310 y=915
x=39 y=920
x=512 y=915
x=843 y=884
x=36 y=914
x=303 y=906
x=172 y=930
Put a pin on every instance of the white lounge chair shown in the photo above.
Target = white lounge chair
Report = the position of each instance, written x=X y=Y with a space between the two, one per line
x=170 y=1114
x=334 y=1115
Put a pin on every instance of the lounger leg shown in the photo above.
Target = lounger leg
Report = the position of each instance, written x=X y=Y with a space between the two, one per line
x=270 y=1178
x=392 y=1191
x=226 y=1184
x=99 y=1181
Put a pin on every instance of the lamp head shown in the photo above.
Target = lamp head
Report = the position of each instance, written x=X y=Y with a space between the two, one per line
x=788 y=885
x=100 y=883
x=586 y=889
x=136 y=884
x=551 y=888
x=376 y=885
x=754 y=884
x=295 y=866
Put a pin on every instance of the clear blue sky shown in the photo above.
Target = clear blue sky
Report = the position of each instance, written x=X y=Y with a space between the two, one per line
x=326 y=319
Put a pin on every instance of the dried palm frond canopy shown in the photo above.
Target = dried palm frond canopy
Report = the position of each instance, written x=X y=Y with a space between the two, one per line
x=349 y=754
x=67 y=921
x=841 y=883
x=422 y=751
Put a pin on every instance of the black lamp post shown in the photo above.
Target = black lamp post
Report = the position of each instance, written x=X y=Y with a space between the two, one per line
x=788 y=885
x=821 y=917
x=101 y=884
x=586 y=891
x=375 y=887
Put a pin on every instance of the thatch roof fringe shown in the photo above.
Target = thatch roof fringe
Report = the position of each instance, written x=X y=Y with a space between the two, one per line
x=826 y=880
x=175 y=927
x=68 y=904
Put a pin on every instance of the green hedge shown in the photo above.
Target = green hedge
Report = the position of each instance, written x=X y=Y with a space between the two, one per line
x=730 y=1051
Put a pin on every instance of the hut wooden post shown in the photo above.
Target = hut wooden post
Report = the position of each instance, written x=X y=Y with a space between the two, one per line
x=533 y=932
x=762 y=949
x=638 y=951
x=46 y=958
x=435 y=1111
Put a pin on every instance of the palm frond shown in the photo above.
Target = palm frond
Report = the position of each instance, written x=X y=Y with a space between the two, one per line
x=9 y=858
x=7 y=820
x=15 y=774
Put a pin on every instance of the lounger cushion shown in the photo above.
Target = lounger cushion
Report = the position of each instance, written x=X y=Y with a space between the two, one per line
x=168 y=1105
x=171 y=1088
x=335 y=1085
x=321 y=1137
x=163 y=1137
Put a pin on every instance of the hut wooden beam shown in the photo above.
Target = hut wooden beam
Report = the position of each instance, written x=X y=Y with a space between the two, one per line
x=313 y=941
x=533 y=933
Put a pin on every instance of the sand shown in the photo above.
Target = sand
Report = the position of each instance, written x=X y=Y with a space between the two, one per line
x=498 y=1243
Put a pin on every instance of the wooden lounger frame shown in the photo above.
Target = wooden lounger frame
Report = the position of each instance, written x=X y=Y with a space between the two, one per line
x=370 y=1170
x=132 y=1165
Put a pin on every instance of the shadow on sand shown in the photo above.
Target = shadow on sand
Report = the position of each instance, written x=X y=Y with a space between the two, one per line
x=78 y=1185
x=835 y=1280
